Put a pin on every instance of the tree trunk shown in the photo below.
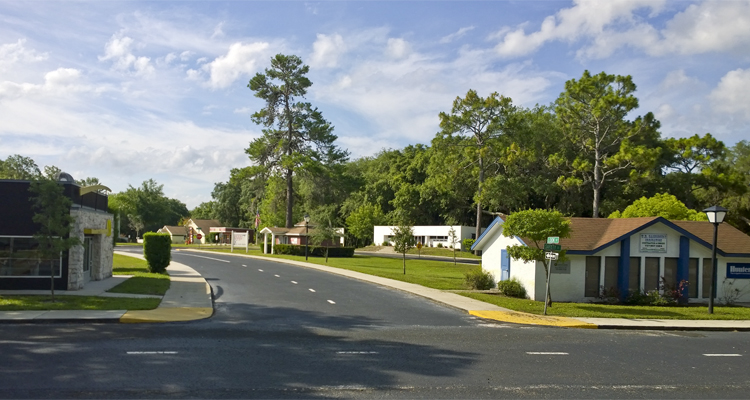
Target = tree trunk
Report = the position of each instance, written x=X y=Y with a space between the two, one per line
x=596 y=184
x=404 y=254
x=289 y=199
x=479 y=203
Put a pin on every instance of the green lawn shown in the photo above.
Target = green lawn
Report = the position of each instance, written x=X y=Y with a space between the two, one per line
x=590 y=310
x=143 y=282
x=430 y=251
x=31 y=303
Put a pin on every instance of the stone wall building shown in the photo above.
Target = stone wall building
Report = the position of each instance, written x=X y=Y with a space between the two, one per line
x=22 y=268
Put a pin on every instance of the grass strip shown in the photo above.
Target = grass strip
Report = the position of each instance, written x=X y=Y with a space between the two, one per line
x=142 y=282
x=39 y=303
x=591 y=310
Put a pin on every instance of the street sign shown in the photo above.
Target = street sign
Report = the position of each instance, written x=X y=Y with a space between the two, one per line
x=198 y=236
x=552 y=247
x=419 y=246
x=553 y=240
x=550 y=256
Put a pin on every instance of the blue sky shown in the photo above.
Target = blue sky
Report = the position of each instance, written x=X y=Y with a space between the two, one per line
x=127 y=91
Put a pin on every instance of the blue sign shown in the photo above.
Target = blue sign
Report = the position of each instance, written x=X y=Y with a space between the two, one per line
x=738 y=270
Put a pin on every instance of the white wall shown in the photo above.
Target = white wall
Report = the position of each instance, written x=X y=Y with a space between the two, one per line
x=571 y=286
x=381 y=234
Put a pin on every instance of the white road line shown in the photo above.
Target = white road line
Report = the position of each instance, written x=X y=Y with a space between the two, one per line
x=331 y=301
x=294 y=282
x=210 y=258
x=151 y=352
x=277 y=276
x=260 y=270
x=312 y=290
x=356 y=352
x=244 y=265
x=723 y=355
x=546 y=353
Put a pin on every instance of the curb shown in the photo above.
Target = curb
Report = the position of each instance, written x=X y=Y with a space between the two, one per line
x=533 y=319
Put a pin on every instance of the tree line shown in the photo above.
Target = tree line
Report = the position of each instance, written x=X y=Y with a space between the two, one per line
x=584 y=155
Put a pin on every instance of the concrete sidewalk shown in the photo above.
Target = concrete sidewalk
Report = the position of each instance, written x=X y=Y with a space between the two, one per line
x=188 y=299
x=496 y=313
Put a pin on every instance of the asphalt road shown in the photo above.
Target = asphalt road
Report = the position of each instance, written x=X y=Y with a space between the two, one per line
x=281 y=331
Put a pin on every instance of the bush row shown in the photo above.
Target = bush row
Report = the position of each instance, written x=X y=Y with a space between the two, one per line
x=315 y=251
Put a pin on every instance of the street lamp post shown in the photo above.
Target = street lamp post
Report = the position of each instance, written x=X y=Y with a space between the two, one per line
x=307 y=239
x=716 y=216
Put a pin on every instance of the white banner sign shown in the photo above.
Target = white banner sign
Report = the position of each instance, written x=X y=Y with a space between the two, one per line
x=653 y=243
x=240 y=239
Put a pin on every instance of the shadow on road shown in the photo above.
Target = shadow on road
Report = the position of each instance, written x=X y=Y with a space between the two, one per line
x=246 y=351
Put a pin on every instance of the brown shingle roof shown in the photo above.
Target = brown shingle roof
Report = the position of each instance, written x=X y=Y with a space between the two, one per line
x=589 y=234
x=206 y=224
x=175 y=230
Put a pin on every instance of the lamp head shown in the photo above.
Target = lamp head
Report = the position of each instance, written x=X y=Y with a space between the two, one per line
x=307 y=218
x=716 y=214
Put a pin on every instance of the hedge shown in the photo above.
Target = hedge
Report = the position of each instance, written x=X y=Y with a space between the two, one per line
x=157 y=248
x=314 y=251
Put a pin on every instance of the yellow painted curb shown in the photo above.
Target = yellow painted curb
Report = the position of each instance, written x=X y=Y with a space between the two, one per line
x=167 y=314
x=532 y=319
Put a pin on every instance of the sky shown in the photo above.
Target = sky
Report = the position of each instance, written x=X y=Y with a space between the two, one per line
x=130 y=91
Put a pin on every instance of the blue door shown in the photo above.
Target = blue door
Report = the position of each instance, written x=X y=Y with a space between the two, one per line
x=504 y=265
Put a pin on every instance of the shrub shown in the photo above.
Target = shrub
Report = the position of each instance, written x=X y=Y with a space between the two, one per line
x=478 y=279
x=440 y=245
x=314 y=251
x=512 y=288
x=609 y=295
x=467 y=243
x=157 y=248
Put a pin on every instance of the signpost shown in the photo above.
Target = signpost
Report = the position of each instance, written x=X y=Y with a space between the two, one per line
x=552 y=248
x=419 y=249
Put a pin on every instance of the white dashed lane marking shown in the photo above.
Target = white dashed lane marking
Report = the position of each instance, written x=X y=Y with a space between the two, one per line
x=260 y=270
x=723 y=355
x=277 y=276
x=356 y=352
x=294 y=282
x=331 y=301
x=312 y=290
x=244 y=265
x=546 y=353
x=210 y=258
x=150 y=352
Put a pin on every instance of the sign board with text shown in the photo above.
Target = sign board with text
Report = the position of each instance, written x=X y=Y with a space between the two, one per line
x=653 y=243
x=552 y=247
x=553 y=240
x=738 y=271
x=561 y=267
x=550 y=256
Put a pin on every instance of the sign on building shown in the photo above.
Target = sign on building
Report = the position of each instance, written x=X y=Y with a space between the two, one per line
x=738 y=270
x=653 y=243
x=561 y=267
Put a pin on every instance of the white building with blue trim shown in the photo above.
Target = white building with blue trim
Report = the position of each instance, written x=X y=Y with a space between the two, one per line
x=623 y=255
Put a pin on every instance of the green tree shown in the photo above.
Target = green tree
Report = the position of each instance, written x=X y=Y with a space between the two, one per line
x=467 y=137
x=453 y=239
x=19 y=167
x=403 y=240
x=361 y=223
x=146 y=208
x=323 y=232
x=204 y=210
x=603 y=145
x=660 y=205
x=296 y=136
x=52 y=212
x=535 y=226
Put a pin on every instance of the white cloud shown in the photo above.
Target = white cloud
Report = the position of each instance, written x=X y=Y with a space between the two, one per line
x=397 y=48
x=240 y=60
x=732 y=94
x=118 y=50
x=326 y=50
x=243 y=110
x=711 y=26
x=185 y=55
x=12 y=53
x=218 y=32
x=455 y=35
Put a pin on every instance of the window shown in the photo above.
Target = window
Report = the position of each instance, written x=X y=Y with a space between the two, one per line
x=670 y=272
x=20 y=256
x=610 y=272
x=634 y=280
x=592 y=277
x=651 y=281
